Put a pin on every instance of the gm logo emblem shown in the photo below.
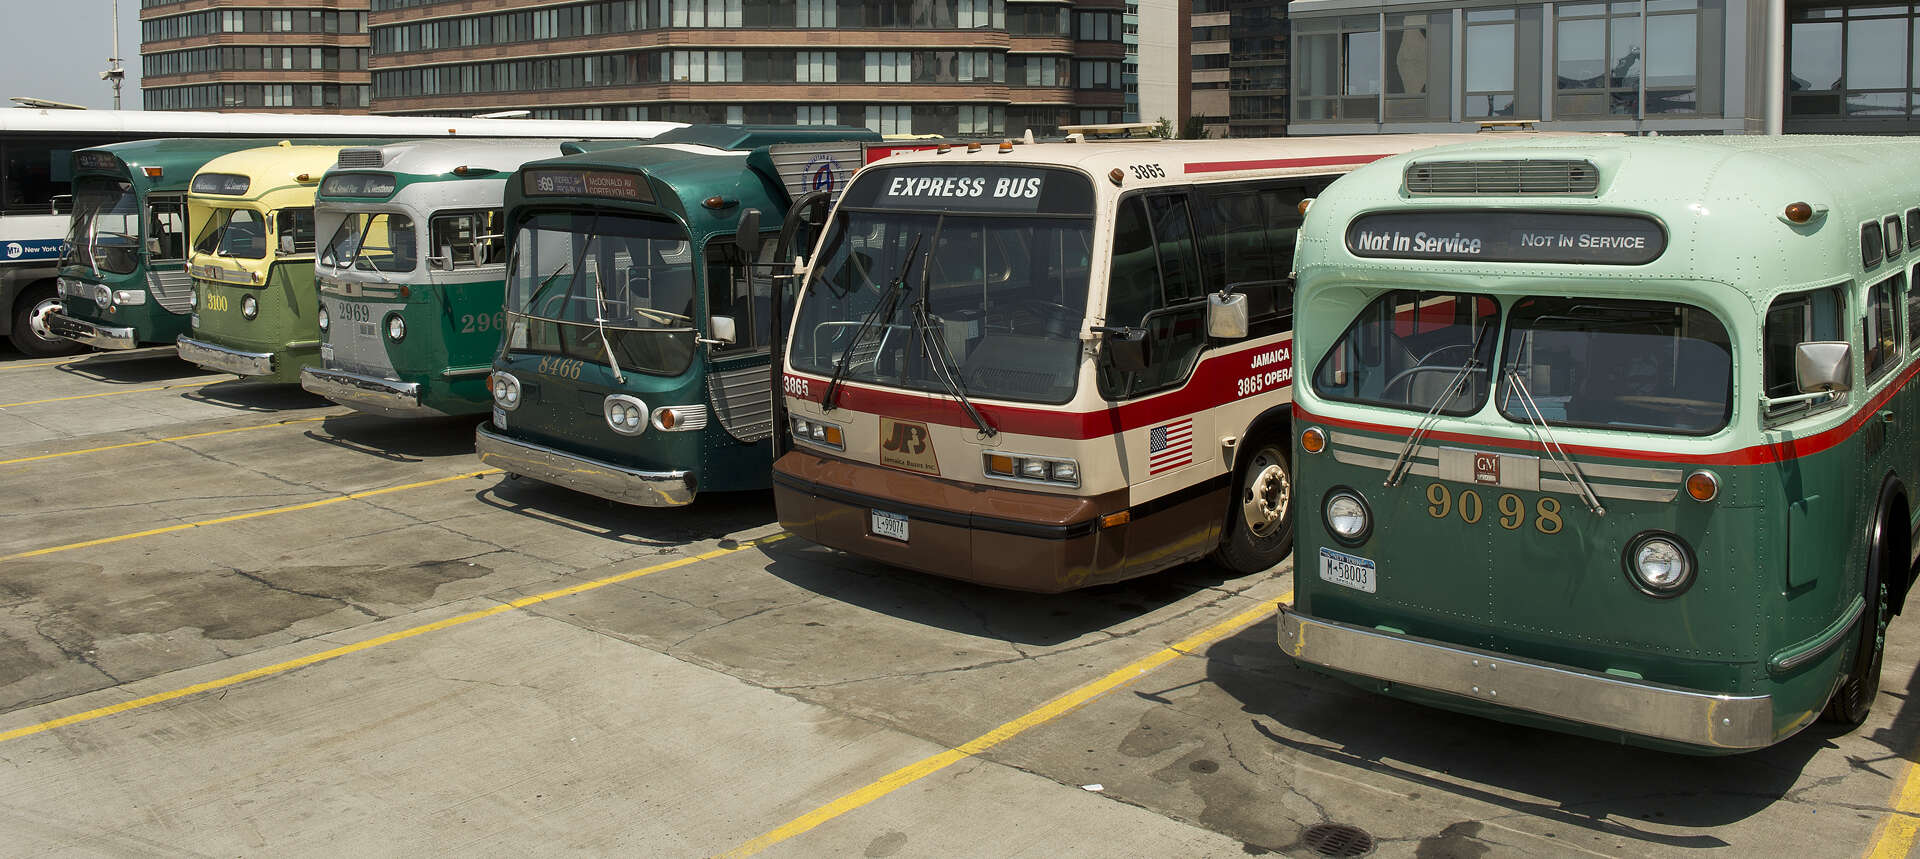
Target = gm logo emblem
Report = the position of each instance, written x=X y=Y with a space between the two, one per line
x=1486 y=468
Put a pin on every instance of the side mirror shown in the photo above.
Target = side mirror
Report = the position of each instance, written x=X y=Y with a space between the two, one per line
x=1823 y=366
x=1227 y=316
x=286 y=243
x=746 y=236
x=722 y=329
x=153 y=245
x=444 y=261
x=1127 y=348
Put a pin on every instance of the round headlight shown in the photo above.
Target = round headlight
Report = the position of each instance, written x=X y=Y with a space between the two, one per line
x=626 y=415
x=396 y=328
x=506 y=390
x=1659 y=564
x=324 y=319
x=1346 y=516
x=193 y=298
x=249 y=307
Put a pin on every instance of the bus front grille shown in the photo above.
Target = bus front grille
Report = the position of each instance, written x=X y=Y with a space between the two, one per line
x=1512 y=178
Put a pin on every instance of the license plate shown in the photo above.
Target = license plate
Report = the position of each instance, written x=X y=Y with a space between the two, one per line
x=194 y=320
x=1347 y=571
x=499 y=417
x=889 y=525
x=326 y=353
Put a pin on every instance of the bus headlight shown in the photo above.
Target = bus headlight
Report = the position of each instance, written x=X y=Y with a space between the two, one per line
x=249 y=307
x=1659 y=564
x=102 y=295
x=506 y=390
x=1031 y=469
x=626 y=414
x=1347 y=517
x=396 y=327
x=819 y=432
x=129 y=297
x=324 y=319
x=193 y=298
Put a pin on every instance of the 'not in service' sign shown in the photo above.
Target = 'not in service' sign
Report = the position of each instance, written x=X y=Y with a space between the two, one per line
x=1508 y=237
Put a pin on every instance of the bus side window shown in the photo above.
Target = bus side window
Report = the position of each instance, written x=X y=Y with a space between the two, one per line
x=298 y=224
x=727 y=296
x=469 y=239
x=1792 y=320
x=1913 y=311
x=1154 y=283
x=167 y=227
x=1881 y=327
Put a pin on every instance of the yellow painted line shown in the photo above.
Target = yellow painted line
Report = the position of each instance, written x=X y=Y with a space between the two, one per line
x=1894 y=837
x=113 y=358
x=42 y=364
x=241 y=517
x=1047 y=712
x=112 y=393
x=389 y=638
x=145 y=442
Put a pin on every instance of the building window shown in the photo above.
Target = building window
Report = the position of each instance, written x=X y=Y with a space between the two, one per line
x=1337 y=68
x=890 y=118
x=1417 y=66
x=1489 y=63
x=816 y=114
x=1603 y=50
x=889 y=67
x=816 y=67
x=1853 y=63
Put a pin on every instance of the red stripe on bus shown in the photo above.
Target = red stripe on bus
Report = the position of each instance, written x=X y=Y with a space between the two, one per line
x=1215 y=382
x=1759 y=454
x=1271 y=163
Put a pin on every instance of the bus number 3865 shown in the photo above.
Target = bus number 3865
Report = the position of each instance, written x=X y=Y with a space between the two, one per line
x=1511 y=509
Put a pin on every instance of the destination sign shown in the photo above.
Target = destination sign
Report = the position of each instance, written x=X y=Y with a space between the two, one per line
x=96 y=161
x=227 y=184
x=973 y=188
x=552 y=182
x=380 y=185
x=1508 y=237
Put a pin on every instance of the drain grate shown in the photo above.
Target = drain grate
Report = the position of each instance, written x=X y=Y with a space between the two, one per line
x=1337 y=839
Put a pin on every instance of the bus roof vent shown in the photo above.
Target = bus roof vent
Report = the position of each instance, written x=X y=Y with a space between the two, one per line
x=1510 y=178
x=361 y=158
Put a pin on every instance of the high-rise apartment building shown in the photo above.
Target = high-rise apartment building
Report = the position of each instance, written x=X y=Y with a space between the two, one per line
x=1212 y=58
x=951 y=67
x=1258 y=84
x=1160 y=87
x=284 y=56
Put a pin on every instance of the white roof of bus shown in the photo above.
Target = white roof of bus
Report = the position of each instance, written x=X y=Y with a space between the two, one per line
x=441 y=155
x=1190 y=160
x=166 y=123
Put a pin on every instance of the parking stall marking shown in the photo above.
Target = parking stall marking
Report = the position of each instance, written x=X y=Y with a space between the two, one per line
x=113 y=393
x=389 y=638
x=1894 y=837
x=1041 y=715
x=96 y=358
x=239 y=517
x=145 y=442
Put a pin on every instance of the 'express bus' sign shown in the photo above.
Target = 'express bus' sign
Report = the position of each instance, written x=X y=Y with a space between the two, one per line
x=379 y=185
x=972 y=188
x=1508 y=237
x=586 y=183
x=226 y=184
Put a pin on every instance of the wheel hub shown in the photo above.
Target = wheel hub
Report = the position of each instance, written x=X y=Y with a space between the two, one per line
x=37 y=318
x=1267 y=497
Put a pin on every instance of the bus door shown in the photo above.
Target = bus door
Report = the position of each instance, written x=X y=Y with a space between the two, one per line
x=739 y=381
x=1154 y=284
x=1886 y=441
x=167 y=251
x=467 y=252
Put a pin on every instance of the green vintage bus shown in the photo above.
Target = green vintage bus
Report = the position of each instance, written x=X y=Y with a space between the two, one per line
x=635 y=362
x=255 y=312
x=1614 y=436
x=410 y=268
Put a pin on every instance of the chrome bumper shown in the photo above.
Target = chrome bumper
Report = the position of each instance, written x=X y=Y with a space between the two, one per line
x=97 y=336
x=1576 y=695
x=604 y=479
x=225 y=360
x=367 y=393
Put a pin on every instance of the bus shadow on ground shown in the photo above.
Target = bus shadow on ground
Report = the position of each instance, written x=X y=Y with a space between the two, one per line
x=1603 y=787
x=398 y=439
x=1017 y=617
x=713 y=515
x=112 y=368
x=247 y=396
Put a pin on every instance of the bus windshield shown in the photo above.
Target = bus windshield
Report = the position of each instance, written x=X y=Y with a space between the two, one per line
x=373 y=242
x=1005 y=296
x=583 y=285
x=105 y=231
x=1415 y=350
x=1633 y=365
x=229 y=232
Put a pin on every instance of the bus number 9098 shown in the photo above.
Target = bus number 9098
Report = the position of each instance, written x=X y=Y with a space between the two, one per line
x=1510 y=508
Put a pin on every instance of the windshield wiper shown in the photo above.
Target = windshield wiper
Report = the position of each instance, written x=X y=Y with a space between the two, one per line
x=882 y=312
x=1555 y=453
x=600 y=318
x=1404 y=462
x=520 y=318
x=935 y=349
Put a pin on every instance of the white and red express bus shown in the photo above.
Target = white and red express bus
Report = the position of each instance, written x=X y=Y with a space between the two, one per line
x=1050 y=366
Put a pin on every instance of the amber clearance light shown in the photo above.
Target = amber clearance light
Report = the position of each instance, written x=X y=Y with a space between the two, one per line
x=1703 y=486
x=1799 y=213
x=1313 y=440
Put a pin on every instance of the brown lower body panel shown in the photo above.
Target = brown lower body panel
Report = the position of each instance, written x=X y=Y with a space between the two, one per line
x=1006 y=538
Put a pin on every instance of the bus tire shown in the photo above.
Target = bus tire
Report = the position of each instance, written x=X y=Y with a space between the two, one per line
x=1853 y=700
x=30 y=332
x=1259 y=529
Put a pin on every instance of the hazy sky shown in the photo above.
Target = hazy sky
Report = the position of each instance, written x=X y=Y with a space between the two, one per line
x=59 y=50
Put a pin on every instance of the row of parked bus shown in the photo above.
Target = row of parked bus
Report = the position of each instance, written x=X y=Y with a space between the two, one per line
x=1610 y=435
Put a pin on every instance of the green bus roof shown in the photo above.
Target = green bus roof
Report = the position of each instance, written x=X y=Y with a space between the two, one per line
x=177 y=157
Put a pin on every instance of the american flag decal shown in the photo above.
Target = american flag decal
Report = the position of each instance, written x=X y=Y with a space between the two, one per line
x=1170 y=446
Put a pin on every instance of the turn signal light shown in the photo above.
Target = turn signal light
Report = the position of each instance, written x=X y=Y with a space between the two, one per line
x=1703 y=486
x=152 y=172
x=1000 y=464
x=1799 y=213
x=1112 y=519
x=1313 y=440
x=833 y=436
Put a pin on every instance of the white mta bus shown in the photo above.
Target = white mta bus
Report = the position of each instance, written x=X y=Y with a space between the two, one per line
x=1050 y=366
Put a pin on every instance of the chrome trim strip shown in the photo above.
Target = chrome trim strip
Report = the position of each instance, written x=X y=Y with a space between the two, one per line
x=581 y=474
x=1591 y=469
x=1573 y=694
x=389 y=397
x=1547 y=484
x=462 y=372
x=1424 y=469
x=1832 y=635
x=97 y=336
x=225 y=360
